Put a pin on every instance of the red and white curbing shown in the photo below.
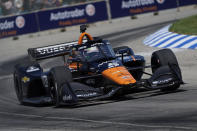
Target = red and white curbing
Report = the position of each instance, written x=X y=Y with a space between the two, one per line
x=165 y=39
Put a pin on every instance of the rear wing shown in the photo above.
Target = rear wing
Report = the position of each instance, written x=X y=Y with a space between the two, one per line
x=51 y=51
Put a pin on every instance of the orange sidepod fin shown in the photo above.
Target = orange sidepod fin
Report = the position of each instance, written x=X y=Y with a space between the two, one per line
x=119 y=75
x=80 y=41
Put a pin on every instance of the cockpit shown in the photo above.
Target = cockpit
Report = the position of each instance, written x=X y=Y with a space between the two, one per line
x=97 y=52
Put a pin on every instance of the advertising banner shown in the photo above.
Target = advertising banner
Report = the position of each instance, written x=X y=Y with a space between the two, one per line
x=17 y=25
x=166 y=4
x=121 y=8
x=187 y=2
x=75 y=15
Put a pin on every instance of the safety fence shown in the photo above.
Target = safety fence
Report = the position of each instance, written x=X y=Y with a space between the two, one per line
x=81 y=14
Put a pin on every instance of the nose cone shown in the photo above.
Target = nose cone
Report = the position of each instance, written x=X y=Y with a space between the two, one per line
x=119 y=75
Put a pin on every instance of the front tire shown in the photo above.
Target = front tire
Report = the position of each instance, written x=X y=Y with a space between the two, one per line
x=60 y=76
x=18 y=87
x=162 y=58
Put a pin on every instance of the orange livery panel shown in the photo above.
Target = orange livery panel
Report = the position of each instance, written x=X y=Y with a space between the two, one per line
x=119 y=75
x=74 y=65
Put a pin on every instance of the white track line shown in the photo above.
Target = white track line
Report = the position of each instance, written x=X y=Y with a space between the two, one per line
x=96 y=121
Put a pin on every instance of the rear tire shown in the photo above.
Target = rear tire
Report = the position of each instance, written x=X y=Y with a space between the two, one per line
x=59 y=75
x=162 y=58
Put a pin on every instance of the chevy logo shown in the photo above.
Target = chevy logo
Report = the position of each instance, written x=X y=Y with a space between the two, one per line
x=25 y=79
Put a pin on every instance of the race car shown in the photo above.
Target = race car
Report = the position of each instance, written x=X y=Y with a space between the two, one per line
x=92 y=70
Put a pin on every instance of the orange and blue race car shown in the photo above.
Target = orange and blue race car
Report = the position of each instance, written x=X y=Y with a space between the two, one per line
x=92 y=70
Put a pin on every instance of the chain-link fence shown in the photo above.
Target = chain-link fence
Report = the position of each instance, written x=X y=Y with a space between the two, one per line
x=14 y=7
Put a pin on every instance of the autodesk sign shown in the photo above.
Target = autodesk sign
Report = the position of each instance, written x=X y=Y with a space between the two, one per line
x=136 y=3
x=67 y=14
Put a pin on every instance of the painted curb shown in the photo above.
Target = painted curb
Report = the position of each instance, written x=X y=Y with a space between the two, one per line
x=165 y=39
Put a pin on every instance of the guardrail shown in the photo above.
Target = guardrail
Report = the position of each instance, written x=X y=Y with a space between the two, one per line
x=81 y=14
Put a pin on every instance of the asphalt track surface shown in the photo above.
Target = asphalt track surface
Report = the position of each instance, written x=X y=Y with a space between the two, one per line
x=152 y=110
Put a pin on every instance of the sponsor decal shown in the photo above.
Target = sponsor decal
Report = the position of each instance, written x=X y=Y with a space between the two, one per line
x=90 y=10
x=17 y=25
x=44 y=51
x=121 y=8
x=111 y=65
x=6 y=25
x=115 y=72
x=25 y=79
x=160 y=1
x=82 y=48
x=126 y=77
x=67 y=97
x=20 y=22
x=103 y=63
x=159 y=82
x=72 y=15
x=67 y=14
x=32 y=69
x=87 y=95
x=136 y=3
x=97 y=44
x=92 y=49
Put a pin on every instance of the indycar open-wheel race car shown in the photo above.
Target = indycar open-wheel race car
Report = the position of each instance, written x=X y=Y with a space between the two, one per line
x=92 y=70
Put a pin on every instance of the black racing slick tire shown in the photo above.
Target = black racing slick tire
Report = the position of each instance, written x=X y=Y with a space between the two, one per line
x=59 y=75
x=18 y=87
x=162 y=58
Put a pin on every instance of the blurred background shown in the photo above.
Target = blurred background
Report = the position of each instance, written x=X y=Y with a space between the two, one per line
x=15 y=7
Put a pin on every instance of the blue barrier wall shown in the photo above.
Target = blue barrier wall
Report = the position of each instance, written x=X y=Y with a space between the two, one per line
x=121 y=8
x=166 y=4
x=74 y=15
x=81 y=14
x=187 y=2
x=17 y=25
